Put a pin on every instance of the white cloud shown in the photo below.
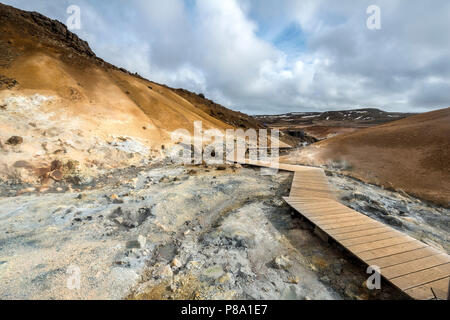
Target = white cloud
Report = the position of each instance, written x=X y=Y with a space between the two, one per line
x=226 y=50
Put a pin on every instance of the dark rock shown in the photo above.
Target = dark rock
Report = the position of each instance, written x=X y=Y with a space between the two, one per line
x=56 y=165
x=401 y=207
x=56 y=175
x=133 y=244
x=361 y=197
x=130 y=219
x=60 y=151
x=337 y=268
x=22 y=164
x=138 y=243
x=377 y=210
x=71 y=165
x=393 y=221
x=7 y=83
x=14 y=141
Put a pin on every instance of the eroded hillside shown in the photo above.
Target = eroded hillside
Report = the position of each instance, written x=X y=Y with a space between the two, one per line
x=65 y=104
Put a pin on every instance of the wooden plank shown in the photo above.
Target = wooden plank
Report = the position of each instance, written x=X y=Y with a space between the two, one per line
x=359 y=248
x=324 y=206
x=384 y=252
x=403 y=257
x=414 y=266
x=311 y=195
x=356 y=222
x=423 y=292
x=324 y=209
x=328 y=211
x=319 y=181
x=334 y=221
x=316 y=216
x=322 y=181
x=308 y=194
x=312 y=187
x=344 y=230
x=323 y=212
x=309 y=201
x=422 y=277
x=363 y=233
x=370 y=238
x=317 y=186
x=311 y=180
x=331 y=216
x=305 y=192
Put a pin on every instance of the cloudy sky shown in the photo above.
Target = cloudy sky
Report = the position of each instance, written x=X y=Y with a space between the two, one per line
x=268 y=57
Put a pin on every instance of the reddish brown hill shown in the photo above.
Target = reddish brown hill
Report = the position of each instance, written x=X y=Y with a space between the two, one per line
x=411 y=154
x=39 y=53
x=67 y=104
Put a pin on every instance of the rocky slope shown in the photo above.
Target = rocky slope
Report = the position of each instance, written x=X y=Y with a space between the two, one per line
x=65 y=104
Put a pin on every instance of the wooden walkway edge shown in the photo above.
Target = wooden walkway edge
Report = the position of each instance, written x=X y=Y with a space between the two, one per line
x=414 y=267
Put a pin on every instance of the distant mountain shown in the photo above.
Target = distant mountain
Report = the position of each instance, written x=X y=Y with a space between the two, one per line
x=361 y=117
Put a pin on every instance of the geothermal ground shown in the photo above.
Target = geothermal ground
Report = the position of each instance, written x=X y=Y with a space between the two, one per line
x=164 y=231
x=91 y=207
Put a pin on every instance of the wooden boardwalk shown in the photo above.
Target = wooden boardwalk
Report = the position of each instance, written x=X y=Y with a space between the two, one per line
x=414 y=267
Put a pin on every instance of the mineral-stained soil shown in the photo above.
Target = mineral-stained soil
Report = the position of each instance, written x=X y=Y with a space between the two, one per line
x=163 y=231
